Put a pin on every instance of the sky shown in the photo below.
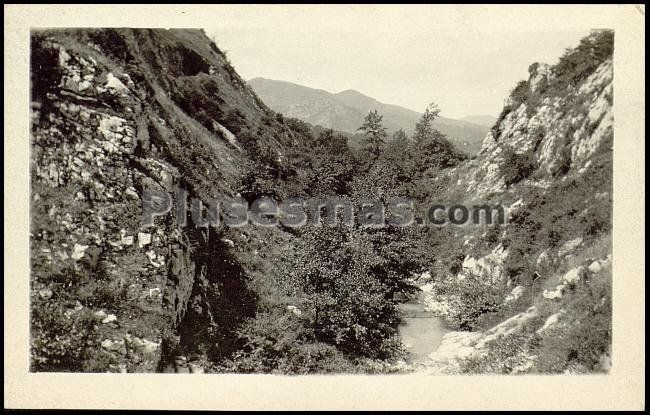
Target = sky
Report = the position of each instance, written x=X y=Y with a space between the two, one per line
x=465 y=59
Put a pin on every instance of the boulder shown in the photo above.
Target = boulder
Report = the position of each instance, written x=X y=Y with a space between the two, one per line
x=113 y=83
x=557 y=293
x=573 y=276
x=45 y=293
x=425 y=276
x=144 y=345
x=295 y=310
x=100 y=315
x=595 y=267
x=427 y=288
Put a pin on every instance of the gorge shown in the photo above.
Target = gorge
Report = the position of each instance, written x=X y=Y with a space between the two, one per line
x=118 y=112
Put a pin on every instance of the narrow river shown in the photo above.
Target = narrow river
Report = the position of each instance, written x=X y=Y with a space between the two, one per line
x=421 y=332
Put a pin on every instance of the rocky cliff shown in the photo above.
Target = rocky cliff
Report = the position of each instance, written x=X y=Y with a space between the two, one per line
x=115 y=112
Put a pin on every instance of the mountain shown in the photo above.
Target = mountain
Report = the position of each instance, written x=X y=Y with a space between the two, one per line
x=486 y=120
x=345 y=111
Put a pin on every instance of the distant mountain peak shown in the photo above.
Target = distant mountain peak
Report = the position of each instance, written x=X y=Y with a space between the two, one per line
x=344 y=111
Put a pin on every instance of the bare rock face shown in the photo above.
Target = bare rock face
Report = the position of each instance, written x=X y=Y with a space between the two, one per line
x=84 y=141
x=488 y=267
x=558 y=136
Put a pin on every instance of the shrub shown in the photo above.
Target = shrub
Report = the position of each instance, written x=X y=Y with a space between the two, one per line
x=353 y=310
x=58 y=342
x=475 y=298
x=516 y=167
x=580 y=342
x=503 y=356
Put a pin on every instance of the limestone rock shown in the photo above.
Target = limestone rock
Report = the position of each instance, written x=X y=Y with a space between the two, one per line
x=144 y=239
x=515 y=294
x=595 y=267
x=45 y=293
x=145 y=345
x=295 y=310
x=455 y=345
x=550 y=321
x=100 y=315
x=573 y=276
x=79 y=251
x=228 y=242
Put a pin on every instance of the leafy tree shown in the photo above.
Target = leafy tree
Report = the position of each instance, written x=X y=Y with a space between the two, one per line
x=352 y=308
x=431 y=149
x=578 y=63
x=332 y=165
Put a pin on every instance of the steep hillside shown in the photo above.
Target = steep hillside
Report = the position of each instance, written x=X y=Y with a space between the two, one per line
x=345 y=110
x=545 y=277
x=115 y=112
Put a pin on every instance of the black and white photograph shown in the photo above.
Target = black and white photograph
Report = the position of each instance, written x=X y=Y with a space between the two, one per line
x=311 y=191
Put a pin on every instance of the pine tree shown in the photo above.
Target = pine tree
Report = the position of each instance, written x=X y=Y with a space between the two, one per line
x=375 y=133
x=424 y=127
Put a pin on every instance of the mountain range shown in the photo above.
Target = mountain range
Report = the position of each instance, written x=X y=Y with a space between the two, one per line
x=344 y=111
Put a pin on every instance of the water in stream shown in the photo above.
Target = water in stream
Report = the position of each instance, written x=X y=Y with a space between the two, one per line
x=421 y=332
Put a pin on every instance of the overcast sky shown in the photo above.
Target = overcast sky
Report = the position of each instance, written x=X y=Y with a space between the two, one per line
x=465 y=59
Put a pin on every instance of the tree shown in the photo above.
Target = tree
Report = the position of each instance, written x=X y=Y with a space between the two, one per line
x=424 y=127
x=332 y=165
x=431 y=149
x=375 y=133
